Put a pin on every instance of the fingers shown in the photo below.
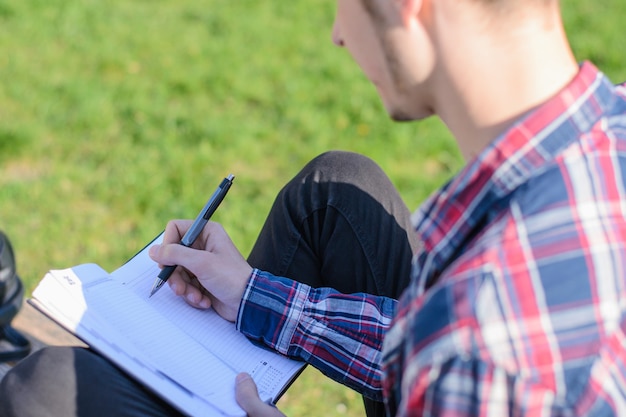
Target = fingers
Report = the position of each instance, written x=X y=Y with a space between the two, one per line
x=247 y=397
x=191 y=262
x=175 y=230
x=182 y=283
x=191 y=291
x=171 y=254
x=214 y=262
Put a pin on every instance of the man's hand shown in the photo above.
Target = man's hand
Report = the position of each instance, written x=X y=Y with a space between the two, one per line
x=247 y=396
x=212 y=273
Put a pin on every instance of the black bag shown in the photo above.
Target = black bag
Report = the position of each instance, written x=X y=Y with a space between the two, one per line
x=13 y=345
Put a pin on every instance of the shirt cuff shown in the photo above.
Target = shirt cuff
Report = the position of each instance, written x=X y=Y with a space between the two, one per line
x=271 y=309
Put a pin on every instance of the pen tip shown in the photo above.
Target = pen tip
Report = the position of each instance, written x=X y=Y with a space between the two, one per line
x=158 y=283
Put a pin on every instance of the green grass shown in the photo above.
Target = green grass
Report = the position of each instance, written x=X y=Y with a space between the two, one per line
x=117 y=116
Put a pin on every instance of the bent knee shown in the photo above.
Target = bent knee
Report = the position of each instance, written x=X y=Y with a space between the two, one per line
x=29 y=387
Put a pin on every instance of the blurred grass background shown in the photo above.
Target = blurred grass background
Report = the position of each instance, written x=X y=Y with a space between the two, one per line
x=117 y=116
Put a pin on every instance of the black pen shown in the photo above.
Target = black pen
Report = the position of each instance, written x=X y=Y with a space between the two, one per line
x=196 y=228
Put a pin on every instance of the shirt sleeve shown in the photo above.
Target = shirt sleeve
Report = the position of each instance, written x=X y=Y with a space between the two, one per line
x=339 y=334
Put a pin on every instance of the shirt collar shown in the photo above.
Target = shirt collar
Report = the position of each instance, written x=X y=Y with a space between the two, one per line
x=449 y=218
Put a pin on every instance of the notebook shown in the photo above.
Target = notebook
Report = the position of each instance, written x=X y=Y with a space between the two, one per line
x=187 y=356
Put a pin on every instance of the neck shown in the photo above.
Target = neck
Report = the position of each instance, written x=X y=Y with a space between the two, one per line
x=491 y=79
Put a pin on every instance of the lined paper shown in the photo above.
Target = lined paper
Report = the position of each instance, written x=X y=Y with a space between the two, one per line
x=189 y=356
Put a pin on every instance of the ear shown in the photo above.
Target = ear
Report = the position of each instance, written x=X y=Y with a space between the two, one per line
x=409 y=10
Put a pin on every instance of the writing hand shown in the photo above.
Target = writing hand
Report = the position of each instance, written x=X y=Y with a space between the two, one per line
x=247 y=397
x=211 y=273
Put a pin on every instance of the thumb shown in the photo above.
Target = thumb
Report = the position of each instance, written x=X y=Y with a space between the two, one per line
x=247 y=396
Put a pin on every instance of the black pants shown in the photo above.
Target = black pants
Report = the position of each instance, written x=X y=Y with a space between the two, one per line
x=339 y=223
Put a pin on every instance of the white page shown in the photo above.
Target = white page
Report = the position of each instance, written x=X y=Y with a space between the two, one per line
x=60 y=294
x=185 y=376
x=168 y=347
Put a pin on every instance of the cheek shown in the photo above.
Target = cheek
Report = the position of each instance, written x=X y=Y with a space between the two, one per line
x=367 y=53
x=353 y=30
x=371 y=67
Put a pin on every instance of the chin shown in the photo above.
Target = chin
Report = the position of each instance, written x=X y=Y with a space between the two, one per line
x=399 y=116
x=402 y=115
x=405 y=108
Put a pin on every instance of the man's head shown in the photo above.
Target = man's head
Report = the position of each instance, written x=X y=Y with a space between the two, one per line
x=414 y=50
x=374 y=33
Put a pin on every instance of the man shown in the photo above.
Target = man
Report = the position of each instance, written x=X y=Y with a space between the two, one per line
x=515 y=301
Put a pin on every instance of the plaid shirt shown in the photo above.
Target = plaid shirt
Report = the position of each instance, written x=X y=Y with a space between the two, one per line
x=517 y=301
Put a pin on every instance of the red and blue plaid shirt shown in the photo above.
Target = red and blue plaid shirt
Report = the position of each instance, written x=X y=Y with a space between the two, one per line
x=518 y=297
